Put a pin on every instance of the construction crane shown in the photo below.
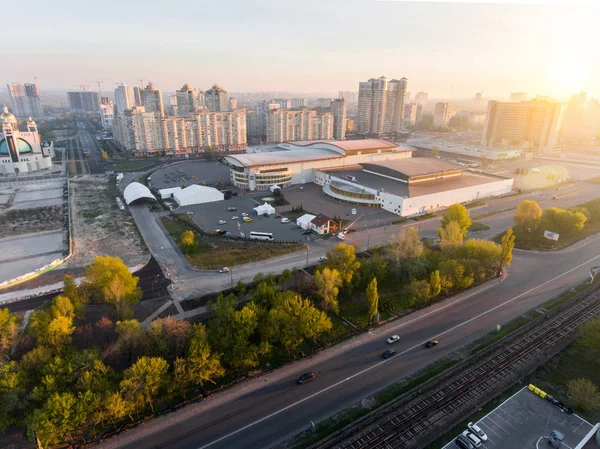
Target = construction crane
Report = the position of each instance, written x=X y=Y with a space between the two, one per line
x=141 y=83
x=82 y=86
x=99 y=89
x=342 y=235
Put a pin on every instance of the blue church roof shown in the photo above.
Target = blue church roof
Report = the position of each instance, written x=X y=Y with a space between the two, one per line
x=22 y=145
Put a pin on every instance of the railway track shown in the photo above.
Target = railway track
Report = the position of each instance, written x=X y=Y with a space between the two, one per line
x=400 y=428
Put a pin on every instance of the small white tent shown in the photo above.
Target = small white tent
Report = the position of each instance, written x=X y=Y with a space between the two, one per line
x=169 y=192
x=264 y=208
x=274 y=187
x=305 y=221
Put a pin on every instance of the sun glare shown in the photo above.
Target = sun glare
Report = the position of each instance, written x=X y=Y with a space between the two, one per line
x=565 y=77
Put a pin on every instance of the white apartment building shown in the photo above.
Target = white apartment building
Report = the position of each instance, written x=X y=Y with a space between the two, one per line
x=518 y=96
x=421 y=98
x=291 y=126
x=216 y=99
x=144 y=133
x=284 y=103
x=442 y=114
x=152 y=100
x=107 y=115
x=324 y=102
x=381 y=106
x=187 y=101
x=298 y=103
x=124 y=98
x=25 y=100
x=412 y=113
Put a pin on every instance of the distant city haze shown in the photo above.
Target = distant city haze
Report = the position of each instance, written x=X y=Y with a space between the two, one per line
x=449 y=50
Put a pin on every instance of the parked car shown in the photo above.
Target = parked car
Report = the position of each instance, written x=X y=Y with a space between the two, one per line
x=231 y=209
x=224 y=270
x=277 y=216
x=247 y=219
x=474 y=440
x=189 y=212
x=307 y=232
x=285 y=220
x=463 y=443
x=306 y=377
x=244 y=214
x=235 y=217
x=431 y=343
x=222 y=222
x=393 y=339
x=474 y=428
x=389 y=353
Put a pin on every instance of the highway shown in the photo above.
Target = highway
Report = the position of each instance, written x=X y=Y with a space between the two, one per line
x=266 y=410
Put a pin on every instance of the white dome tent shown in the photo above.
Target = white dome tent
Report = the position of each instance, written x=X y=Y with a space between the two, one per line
x=264 y=209
x=136 y=191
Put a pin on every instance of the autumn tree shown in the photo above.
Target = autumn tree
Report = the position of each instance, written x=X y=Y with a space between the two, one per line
x=485 y=252
x=169 y=337
x=451 y=237
x=419 y=292
x=343 y=259
x=506 y=249
x=52 y=324
x=453 y=275
x=131 y=337
x=9 y=328
x=327 y=287
x=435 y=283
x=11 y=394
x=563 y=221
x=435 y=151
x=372 y=299
x=584 y=393
x=143 y=381
x=459 y=214
x=528 y=214
x=58 y=419
x=188 y=241
x=406 y=247
x=109 y=280
x=78 y=296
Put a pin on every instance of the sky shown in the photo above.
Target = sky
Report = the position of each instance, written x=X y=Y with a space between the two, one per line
x=451 y=50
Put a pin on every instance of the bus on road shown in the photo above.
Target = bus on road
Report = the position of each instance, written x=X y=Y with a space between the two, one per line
x=261 y=236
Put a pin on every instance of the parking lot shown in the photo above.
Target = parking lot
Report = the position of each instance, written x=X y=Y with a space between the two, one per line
x=207 y=216
x=212 y=174
x=525 y=421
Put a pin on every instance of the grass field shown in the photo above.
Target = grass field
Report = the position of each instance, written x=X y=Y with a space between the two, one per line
x=215 y=252
x=535 y=241
x=476 y=227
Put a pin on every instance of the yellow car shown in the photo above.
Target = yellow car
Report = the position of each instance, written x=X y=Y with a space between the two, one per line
x=247 y=219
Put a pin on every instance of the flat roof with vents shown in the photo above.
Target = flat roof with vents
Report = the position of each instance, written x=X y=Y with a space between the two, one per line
x=405 y=169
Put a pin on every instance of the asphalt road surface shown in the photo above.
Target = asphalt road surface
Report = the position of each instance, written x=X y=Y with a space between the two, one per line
x=270 y=408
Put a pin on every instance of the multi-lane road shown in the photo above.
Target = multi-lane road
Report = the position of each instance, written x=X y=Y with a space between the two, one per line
x=266 y=410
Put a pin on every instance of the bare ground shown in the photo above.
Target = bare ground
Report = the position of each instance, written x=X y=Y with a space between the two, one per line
x=99 y=227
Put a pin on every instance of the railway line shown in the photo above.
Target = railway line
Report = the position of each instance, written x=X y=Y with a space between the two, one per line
x=401 y=427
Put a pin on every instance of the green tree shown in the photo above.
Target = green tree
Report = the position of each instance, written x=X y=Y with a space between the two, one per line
x=373 y=267
x=131 y=337
x=459 y=214
x=264 y=294
x=209 y=154
x=453 y=276
x=435 y=151
x=506 y=249
x=62 y=306
x=485 y=252
x=9 y=328
x=451 y=237
x=143 y=381
x=11 y=395
x=343 y=259
x=78 y=296
x=327 y=287
x=563 y=221
x=372 y=299
x=419 y=292
x=188 y=241
x=59 y=331
x=200 y=365
x=58 y=420
x=435 y=283
x=169 y=337
x=115 y=408
x=584 y=393
x=528 y=214
x=294 y=320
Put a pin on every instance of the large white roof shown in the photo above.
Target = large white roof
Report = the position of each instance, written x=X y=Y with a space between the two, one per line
x=281 y=157
x=196 y=194
x=136 y=191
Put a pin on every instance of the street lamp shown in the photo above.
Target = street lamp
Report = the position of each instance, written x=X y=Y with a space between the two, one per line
x=307 y=255
x=231 y=274
x=368 y=240
x=153 y=282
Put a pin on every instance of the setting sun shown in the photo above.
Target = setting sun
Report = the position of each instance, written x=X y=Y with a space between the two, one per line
x=565 y=76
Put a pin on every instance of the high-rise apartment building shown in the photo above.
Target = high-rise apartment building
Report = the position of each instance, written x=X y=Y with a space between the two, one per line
x=407 y=97
x=442 y=114
x=381 y=106
x=421 y=98
x=233 y=104
x=477 y=99
x=84 y=102
x=216 y=99
x=124 y=98
x=284 y=103
x=137 y=94
x=535 y=125
x=338 y=108
x=143 y=133
x=187 y=101
x=324 y=102
x=107 y=114
x=297 y=103
x=518 y=96
x=580 y=128
x=412 y=113
x=351 y=97
x=25 y=99
x=152 y=100
x=304 y=124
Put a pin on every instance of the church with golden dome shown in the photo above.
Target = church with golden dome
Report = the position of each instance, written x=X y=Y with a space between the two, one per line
x=22 y=151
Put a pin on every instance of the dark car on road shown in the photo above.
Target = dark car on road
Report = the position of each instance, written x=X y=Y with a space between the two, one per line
x=306 y=377
x=431 y=343
x=389 y=353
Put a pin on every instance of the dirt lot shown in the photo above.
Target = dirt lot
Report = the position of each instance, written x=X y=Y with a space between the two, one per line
x=99 y=227
x=17 y=222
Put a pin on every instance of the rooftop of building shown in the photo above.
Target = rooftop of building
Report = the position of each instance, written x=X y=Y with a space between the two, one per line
x=281 y=157
x=411 y=167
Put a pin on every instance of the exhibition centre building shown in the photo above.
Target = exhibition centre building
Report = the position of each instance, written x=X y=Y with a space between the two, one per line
x=368 y=172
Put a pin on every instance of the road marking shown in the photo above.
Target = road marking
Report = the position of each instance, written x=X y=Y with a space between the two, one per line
x=294 y=404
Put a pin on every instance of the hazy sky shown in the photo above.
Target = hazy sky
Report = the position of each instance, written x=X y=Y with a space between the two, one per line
x=305 y=45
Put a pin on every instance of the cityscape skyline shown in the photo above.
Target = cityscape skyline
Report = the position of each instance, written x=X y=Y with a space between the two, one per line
x=441 y=57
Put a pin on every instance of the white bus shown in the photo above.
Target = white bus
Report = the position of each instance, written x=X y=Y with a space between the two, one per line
x=262 y=236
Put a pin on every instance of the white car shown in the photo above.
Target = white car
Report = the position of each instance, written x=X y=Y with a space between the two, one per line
x=393 y=339
x=322 y=259
x=285 y=220
x=222 y=222
x=224 y=270
x=474 y=439
x=189 y=212
x=244 y=214
x=235 y=217
x=474 y=428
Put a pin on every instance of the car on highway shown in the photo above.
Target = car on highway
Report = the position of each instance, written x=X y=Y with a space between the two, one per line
x=222 y=222
x=393 y=339
x=189 y=212
x=235 y=217
x=306 y=377
x=285 y=220
x=323 y=259
x=431 y=343
x=224 y=270
x=474 y=428
x=389 y=353
x=463 y=443
x=247 y=219
x=475 y=441
x=231 y=209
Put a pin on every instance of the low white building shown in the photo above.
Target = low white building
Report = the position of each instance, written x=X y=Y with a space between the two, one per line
x=168 y=192
x=305 y=221
x=196 y=194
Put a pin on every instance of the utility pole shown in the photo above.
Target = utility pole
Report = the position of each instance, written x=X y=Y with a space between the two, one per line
x=231 y=274
x=307 y=255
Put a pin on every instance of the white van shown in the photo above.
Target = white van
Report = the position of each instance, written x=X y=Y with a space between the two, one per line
x=475 y=441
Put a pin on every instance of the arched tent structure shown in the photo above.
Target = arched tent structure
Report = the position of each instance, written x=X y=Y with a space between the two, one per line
x=264 y=209
x=136 y=191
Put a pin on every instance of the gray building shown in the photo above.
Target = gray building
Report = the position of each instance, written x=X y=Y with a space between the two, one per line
x=152 y=100
x=25 y=100
x=216 y=99
x=381 y=106
x=338 y=107
x=84 y=102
